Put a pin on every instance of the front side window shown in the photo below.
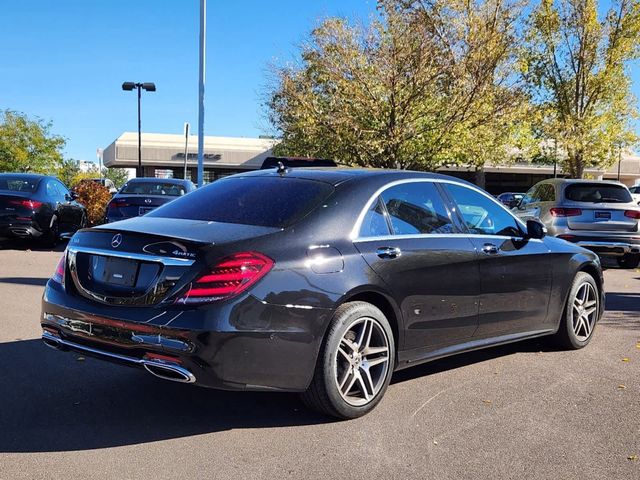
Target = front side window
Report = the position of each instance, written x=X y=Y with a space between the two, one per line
x=532 y=196
x=481 y=215
x=416 y=208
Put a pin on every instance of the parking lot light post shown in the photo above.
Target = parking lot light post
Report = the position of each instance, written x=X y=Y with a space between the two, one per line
x=149 y=87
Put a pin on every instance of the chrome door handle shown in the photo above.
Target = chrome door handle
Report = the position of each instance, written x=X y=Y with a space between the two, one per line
x=388 y=252
x=489 y=248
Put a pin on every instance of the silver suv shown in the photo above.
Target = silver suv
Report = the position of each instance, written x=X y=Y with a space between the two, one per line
x=595 y=214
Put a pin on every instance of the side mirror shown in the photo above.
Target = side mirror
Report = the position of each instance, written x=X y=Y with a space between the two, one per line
x=536 y=229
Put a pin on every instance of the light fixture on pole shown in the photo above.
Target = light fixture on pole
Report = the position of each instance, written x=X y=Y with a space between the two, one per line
x=149 y=87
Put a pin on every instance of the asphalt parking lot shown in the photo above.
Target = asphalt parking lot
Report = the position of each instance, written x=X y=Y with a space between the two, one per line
x=519 y=411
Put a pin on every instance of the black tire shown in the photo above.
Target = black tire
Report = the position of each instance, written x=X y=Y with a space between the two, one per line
x=52 y=237
x=349 y=322
x=574 y=333
x=630 y=260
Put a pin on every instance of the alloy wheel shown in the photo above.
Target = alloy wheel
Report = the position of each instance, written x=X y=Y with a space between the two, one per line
x=362 y=361
x=584 y=309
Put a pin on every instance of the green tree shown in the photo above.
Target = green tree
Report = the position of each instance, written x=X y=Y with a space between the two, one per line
x=67 y=171
x=118 y=176
x=409 y=91
x=28 y=145
x=575 y=64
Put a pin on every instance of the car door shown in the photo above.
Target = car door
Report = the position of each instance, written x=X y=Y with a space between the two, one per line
x=410 y=240
x=515 y=272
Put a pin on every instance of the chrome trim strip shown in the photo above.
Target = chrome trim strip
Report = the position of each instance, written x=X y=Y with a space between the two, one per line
x=356 y=228
x=442 y=235
x=48 y=338
x=167 y=261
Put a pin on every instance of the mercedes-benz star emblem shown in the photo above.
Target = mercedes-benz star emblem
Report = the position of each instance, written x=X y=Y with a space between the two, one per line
x=116 y=241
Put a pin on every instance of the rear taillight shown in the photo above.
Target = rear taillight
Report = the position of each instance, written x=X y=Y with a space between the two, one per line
x=58 y=275
x=635 y=214
x=228 y=278
x=30 y=204
x=565 y=212
x=113 y=204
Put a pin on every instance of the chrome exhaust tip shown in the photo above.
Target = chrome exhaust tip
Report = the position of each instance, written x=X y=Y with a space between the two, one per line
x=51 y=341
x=169 y=371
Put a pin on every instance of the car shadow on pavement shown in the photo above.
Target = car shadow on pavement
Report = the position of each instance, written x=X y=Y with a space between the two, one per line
x=35 y=281
x=26 y=245
x=55 y=401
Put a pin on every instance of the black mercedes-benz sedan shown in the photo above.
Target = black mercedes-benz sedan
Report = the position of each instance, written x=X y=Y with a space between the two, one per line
x=38 y=207
x=317 y=281
x=141 y=195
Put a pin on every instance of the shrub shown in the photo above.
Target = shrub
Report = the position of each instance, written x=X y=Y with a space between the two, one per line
x=95 y=198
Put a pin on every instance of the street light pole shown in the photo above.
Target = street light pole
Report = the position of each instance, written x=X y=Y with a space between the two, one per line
x=201 y=65
x=149 y=87
x=140 y=171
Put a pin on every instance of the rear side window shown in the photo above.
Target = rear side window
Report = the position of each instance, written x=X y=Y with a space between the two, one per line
x=18 y=184
x=416 y=208
x=153 y=188
x=597 y=193
x=375 y=223
x=260 y=201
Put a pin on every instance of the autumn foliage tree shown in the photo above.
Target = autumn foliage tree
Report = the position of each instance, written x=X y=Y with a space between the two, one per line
x=576 y=65
x=95 y=198
x=415 y=89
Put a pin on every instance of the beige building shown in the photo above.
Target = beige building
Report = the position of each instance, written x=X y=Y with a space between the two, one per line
x=163 y=156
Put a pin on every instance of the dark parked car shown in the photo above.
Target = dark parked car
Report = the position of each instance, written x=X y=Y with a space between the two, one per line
x=317 y=281
x=141 y=195
x=38 y=207
x=510 y=199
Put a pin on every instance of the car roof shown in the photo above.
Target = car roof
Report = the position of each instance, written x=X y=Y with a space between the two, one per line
x=35 y=176
x=561 y=181
x=156 y=180
x=336 y=176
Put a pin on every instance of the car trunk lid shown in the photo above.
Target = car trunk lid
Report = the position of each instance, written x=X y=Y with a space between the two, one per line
x=146 y=260
x=607 y=217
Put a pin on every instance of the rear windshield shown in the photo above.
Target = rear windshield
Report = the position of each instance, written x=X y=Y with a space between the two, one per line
x=153 y=188
x=597 y=193
x=266 y=202
x=19 y=184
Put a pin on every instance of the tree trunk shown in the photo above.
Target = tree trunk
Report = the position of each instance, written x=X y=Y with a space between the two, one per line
x=480 y=180
x=576 y=164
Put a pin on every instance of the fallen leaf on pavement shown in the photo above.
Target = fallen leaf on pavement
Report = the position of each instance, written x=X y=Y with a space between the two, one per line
x=625 y=359
x=633 y=458
x=487 y=402
x=622 y=387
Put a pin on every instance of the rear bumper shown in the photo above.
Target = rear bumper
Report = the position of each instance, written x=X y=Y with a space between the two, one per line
x=603 y=244
x=614 y=249
x=20 y=230
x=246 y=345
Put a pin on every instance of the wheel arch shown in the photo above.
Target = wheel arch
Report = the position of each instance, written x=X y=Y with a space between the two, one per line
x=387 y=306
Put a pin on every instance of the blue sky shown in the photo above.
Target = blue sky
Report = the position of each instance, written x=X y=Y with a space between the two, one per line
x=65 y=60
